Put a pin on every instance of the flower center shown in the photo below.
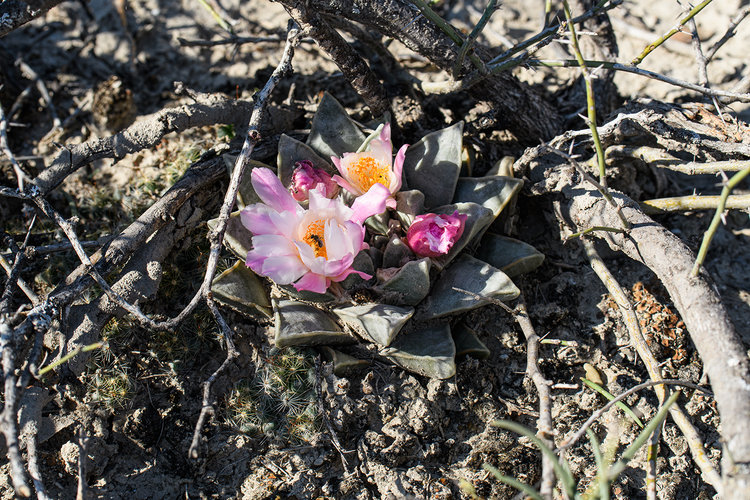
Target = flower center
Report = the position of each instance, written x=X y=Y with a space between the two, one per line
x=314 y=236
x=366 y=171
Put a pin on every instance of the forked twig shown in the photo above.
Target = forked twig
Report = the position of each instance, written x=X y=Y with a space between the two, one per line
x=710 y=475
x=542 y=385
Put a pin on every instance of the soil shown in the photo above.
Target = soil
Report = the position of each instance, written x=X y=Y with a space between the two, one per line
x=384 y=433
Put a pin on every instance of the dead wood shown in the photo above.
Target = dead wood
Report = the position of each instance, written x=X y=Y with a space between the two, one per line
x=15 y=13
x=528 y=116
x=145 y=133
x=720 y=348
x=139 y=279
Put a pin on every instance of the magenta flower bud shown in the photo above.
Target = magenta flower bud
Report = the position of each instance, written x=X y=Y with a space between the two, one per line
x=433 y=235
x=306 y=178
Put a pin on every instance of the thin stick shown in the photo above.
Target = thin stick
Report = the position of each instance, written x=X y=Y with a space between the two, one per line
x=29 y=73
x=324 y=415
x=446 y=28
x=694 y=202
x=666 y=36
x=467 y=45
x=590 y=100
x=544 y=423
x=9 y=419
x=207 y=407
x=731 y=30
x=238 y=40
x=698 y=452
x=34 y=471
x=567 y=63
x=700 y=58
x=5 y=147
x=721 y=206
x=83 y=444
x=604 y=409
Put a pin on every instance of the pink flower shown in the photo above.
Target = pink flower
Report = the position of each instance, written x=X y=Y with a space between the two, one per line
x=432 y=235
x=306 y=178
x=360 y=171
x=311 y=247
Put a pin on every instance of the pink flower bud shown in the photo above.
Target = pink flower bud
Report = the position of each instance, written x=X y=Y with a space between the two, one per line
x=433 y=235
x=306 y=177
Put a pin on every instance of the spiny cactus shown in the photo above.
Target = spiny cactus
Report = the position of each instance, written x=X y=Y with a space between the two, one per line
x=399 y=279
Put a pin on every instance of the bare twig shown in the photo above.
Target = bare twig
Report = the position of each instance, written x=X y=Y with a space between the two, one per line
x=15 y=13
x=83 y=444
x=700 y=58
x=699 y=202
x=346 y=58
x=5 y=147
x=694 y=440
x=146 y=133
x=604 y=409
x=237 y=40
x=29 y=73
x=34 y=471
x=731 y=30
x=207 y=407
x=544 y=423
x=8 y=418
x=656 y=43
x=722 y=204
x=567 y=63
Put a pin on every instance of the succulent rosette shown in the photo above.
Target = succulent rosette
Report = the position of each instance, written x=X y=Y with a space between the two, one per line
x=326 y=274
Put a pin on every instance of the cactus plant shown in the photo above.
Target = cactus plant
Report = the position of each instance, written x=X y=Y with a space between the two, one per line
x=393 y=258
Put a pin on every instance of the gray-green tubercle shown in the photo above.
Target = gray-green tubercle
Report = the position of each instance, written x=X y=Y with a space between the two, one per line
x=410 y=305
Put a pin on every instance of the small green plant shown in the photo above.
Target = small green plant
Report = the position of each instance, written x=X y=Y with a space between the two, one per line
x=111 y=386
x=280 y=400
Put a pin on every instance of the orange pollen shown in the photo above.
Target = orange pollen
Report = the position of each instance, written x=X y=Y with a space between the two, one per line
x=314 y=237
x=366 y=171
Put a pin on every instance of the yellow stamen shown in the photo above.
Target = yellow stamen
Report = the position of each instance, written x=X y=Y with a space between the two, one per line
x=367 y=171
x=314 y=236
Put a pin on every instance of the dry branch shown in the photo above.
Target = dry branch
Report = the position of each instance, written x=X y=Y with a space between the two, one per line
x=710 y=328
x=15 y=13
x=518 y=103
x=146 y=133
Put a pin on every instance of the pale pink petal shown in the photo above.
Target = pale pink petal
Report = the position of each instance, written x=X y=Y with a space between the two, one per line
x=312 y=282
x=283 y=270
x=337 y=162
x=385 y=134
x=398 y=167
x=286 y=222
x=371 y=203
x=270 y=190
x=336 y=267
x=391 y=203
x=349 y=271
x=382 y=152
x=318 y=202
x=272 y=245
x=346 y=185
x=307 y=256
x=338 y=240
x=257 y=219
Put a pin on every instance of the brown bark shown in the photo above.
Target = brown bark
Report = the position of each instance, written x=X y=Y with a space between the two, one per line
x=528 y=116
